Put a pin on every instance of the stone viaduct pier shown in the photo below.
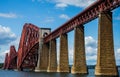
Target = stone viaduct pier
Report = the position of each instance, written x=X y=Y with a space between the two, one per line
x=38 y=50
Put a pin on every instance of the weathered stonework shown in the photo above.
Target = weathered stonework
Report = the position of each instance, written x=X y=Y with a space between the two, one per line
x=43 y=58
x=43 y=51
x=52 y=65
x=37 y=69
x=105 y=58
x=63 y=65
x=79 y=65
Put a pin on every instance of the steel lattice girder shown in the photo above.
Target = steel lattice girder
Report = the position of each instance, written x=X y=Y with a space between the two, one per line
x=29 y=37
x=12 y=58
x=90 y=13
x=30 y=61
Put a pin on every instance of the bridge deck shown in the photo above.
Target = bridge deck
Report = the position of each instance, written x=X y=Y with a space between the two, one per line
x=85 y=16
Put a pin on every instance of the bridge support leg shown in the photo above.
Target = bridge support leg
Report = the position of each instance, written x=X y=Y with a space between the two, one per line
x=52 y=65
x=63 y=65
x=42 y=58
x=79 y=65
x=105 y=57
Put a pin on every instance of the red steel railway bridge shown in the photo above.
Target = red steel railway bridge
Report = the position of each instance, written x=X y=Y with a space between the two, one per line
x=37 y=46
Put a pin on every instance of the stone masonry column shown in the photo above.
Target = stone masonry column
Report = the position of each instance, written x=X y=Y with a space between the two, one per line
x=105 y=57
x=37 y=69
x=79 y=65
x=52 y=65
x=43 y=51
x=42 y=58
x=63 y=65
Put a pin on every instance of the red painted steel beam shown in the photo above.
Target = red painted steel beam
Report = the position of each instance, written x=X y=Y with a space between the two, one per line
x=12 y=58
x=29 y=37
x=90 y=13
x=6 y=61
x=30 y=60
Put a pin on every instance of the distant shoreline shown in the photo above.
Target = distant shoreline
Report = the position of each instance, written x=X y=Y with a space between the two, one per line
x=88 y=66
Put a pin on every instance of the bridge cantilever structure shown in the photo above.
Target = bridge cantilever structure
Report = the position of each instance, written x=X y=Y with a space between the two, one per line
x=29 y=38
x=6 y=61
x=33 y=42
x=11 y=59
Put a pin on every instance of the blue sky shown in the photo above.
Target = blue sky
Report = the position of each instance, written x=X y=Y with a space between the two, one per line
x=51 y=14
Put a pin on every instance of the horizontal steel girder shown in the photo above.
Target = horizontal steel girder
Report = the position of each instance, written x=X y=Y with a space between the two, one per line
x=90 y=13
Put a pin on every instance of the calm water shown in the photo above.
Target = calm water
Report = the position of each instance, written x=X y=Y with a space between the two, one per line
x=6 y=73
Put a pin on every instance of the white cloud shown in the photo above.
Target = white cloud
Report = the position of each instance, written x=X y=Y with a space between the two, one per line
x=117 y=56
x=64 y=16
x=93 y=58
x=91 y=50
x=2 y=56
x=58 y=50
x=8 y=15
x=15 y=43
x=71 y=55
x=3 y=53
x=61 y=5
x=90 y=41
x=77 y=3
x=118 y=51
x=7 y=36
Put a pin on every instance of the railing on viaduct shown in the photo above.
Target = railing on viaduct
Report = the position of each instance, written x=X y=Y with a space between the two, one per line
x=30 y=52
x=90 y=13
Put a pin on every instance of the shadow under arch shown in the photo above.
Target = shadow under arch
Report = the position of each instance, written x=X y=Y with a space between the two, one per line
x=30 y=57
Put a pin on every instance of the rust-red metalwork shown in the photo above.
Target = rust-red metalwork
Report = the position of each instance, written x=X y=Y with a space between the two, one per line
x=12 y=58
x=85 y=16
x=30 y=61
x=29 y=41
x=6 y=61
x=28 y=46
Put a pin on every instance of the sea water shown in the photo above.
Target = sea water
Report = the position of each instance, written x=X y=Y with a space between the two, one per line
x=11 y=73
